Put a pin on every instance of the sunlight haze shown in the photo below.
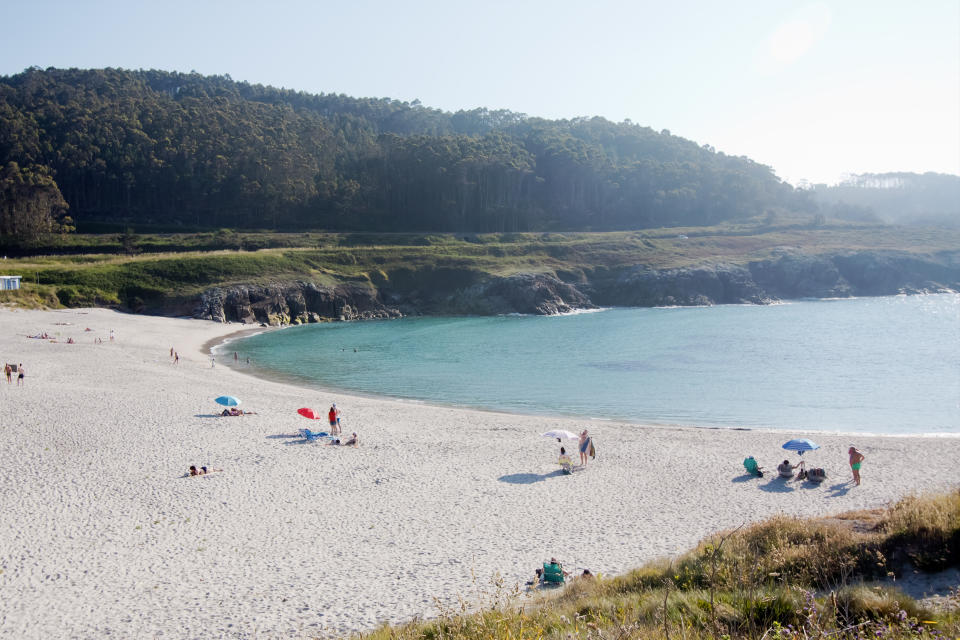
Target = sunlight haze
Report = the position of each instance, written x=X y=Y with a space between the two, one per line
x=816 y=90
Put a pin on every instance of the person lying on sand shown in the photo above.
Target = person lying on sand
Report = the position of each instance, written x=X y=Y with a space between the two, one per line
x=233 y=411
x=202 y=471
x=352 y=441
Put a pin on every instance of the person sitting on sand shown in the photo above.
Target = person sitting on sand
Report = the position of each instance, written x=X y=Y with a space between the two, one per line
x=352 y=441
x=538 y=576
x=786 y=469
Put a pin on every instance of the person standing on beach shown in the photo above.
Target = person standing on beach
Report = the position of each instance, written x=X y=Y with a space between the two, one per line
x=856 y=459
x=111 y=335
x=334 y=417
x=584 y=447
x=8 y=371
x=171 y=352
x=176 y=357
x=20 y=376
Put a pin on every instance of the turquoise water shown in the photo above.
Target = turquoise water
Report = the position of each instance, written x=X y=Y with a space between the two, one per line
x=877 y=365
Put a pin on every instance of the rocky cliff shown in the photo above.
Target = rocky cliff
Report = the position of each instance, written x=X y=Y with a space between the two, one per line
x=788 y=275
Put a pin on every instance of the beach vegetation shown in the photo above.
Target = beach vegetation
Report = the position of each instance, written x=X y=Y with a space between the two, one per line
x=788 y=578
x=168 y=269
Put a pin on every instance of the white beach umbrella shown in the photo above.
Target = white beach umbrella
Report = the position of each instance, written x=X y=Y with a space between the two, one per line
x=560 y=434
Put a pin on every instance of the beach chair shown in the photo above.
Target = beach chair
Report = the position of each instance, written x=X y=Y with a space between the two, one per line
x=552 y=574
x=313 y=436
x=750 y=464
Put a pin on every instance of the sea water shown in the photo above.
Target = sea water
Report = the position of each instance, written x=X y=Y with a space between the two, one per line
x=874 y=365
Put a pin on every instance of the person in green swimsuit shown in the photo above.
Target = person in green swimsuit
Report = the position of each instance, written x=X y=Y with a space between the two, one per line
x=856 y=459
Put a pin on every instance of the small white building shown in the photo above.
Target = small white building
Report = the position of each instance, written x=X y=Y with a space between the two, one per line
x=9 y=282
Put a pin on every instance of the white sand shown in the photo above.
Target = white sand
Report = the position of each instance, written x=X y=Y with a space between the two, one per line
x=102 y=535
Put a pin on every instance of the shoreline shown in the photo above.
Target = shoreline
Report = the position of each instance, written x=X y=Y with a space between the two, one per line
x=104 y=535
x=267 y=374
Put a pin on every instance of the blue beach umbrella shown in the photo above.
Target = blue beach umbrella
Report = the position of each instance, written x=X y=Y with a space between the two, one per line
x=800 y=445
x=227 y=401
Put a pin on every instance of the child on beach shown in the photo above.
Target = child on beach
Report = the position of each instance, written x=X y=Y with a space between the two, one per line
x=856 y=459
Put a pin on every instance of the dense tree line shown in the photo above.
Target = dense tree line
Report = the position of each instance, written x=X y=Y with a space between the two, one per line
x=173 y=149
x=896 y=198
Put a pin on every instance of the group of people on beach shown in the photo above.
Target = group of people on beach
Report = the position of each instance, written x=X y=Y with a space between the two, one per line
x=584 y=445
x=786 y=469
x=10 y=369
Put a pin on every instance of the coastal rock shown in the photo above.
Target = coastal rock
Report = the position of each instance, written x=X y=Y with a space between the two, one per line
x=291 y=303
x=642 y=286
x=457 y=291
x=797 y=275
x=527 y=293
x=877 y=274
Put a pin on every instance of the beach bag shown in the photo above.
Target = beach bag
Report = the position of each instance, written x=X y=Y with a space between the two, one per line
x=593 y=450
x=816 y=475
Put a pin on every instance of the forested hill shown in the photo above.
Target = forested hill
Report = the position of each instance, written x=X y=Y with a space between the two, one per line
x=189 y=151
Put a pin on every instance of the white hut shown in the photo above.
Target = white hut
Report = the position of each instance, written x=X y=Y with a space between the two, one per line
x=9 y=282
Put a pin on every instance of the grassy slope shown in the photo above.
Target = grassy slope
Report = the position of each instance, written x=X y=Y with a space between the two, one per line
x=782 y=578
x=112 y=278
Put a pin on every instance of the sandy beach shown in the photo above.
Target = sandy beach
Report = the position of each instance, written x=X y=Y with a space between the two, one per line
x=103 y=535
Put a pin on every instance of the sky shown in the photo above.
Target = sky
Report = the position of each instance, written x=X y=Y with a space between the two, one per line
x=816 y=90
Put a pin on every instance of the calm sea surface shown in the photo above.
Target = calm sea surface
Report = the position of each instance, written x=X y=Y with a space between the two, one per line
x=880 y=365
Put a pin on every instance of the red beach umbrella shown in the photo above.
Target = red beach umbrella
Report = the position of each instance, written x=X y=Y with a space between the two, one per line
x=308 y=413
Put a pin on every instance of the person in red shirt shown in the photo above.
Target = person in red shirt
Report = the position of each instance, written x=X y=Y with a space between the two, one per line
x=334 y=416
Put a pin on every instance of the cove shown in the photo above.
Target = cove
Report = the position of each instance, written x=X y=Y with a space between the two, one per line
x=888 y=365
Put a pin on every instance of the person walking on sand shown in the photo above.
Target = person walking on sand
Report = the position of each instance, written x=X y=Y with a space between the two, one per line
x=176 y=357
x=111 y=335
x=856 y=459
x=8 y=371
x=584 y=447
x=20 y=378
x=171 y=352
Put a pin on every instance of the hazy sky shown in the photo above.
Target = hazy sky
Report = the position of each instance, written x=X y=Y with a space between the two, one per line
x=813 y=89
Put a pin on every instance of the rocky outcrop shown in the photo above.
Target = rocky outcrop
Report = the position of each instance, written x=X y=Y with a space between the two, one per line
x=797 y=275
x=291 y=303
x=717 y=284
x=787 y=275
x=521 y=293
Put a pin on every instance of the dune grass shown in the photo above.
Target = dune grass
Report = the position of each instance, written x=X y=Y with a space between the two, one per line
x=781 y=578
